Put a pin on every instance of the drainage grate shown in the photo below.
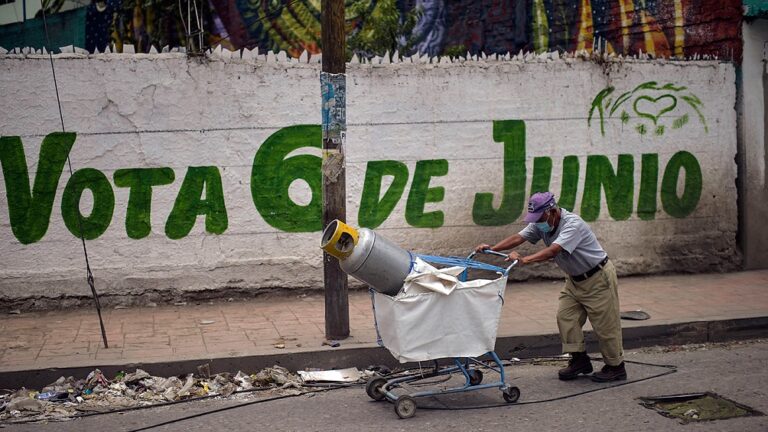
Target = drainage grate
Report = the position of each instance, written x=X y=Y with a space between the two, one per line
x=696 y=407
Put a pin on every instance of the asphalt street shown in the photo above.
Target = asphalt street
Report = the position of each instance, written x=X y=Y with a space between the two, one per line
x=734 y=370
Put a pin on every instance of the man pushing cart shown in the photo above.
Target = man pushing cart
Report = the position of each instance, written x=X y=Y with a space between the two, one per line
x=427 y=313
x=590 y=290
x=424 y=313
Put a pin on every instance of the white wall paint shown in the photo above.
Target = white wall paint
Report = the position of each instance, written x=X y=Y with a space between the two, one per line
x=166 y=111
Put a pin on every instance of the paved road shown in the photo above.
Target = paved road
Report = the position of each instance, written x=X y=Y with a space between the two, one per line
x=736 y=371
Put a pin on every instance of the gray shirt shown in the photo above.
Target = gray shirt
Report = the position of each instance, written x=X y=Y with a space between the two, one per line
x=581 y=250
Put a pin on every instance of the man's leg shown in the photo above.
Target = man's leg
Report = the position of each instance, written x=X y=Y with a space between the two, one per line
x=601 y=302
x=571 y=317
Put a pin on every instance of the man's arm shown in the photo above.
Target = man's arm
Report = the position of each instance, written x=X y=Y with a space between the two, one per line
x=510 y=242
x=542 y=255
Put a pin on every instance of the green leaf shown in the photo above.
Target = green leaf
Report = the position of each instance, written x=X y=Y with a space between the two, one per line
x=624 y=117
x=680 y=121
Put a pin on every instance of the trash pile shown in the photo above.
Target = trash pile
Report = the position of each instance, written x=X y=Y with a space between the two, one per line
x=67 y=397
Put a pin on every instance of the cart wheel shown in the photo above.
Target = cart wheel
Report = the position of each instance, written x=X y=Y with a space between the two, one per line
x=511 y=394
x=405 y=407
x=373 y=388
x=475 y=377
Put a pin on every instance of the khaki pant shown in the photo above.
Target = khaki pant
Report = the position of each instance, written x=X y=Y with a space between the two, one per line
x=596 y=298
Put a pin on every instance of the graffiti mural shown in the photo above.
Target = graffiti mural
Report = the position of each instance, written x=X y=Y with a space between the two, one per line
x=649 y=106
x=274 y=171
x=209 y=174
x=661 y=28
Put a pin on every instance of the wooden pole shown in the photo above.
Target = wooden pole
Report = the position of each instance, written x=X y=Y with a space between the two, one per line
x=333 y=85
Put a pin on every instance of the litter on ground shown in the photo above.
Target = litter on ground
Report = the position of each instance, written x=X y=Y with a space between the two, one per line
x=68 y=397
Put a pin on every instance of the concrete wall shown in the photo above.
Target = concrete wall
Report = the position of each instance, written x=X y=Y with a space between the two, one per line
x=752 y=119
x=180 y=177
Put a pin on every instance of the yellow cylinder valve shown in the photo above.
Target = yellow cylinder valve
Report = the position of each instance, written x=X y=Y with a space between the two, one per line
x=339 y=239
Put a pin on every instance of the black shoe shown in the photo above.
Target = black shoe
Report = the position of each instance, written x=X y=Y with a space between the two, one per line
x=578 y=364
x=610 y=373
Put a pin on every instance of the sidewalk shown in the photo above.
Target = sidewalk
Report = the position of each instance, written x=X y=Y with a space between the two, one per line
x=286 y=329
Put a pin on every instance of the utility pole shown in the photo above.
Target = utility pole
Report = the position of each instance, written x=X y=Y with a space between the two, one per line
x=334 y=110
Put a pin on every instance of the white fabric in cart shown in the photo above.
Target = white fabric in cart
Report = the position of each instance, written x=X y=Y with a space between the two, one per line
x=423 y=323
x=425 y=278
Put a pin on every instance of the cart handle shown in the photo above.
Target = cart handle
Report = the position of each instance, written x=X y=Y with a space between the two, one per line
x=493 y=252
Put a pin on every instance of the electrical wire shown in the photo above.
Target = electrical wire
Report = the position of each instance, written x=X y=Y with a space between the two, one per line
x=89 y=273
x=258 y=401
x=397 y=373
x=670 y=370
x=143 y=407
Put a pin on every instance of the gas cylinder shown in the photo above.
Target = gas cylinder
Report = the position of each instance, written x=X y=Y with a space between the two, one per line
x=367 y=256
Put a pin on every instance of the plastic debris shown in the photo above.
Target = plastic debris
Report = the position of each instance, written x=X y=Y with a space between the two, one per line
x=67 y=397
x=277 y=375
x=244 y=381
x=136 y=376
x=53 y=396
x=341 y=375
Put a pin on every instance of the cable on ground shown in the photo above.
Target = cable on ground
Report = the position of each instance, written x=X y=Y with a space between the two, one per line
x=328 y=387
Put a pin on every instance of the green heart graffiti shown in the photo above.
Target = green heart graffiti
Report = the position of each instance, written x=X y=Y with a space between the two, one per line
x=657 y=103
x=647 y=106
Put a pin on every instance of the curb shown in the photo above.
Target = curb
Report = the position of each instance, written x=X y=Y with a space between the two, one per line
x=362 y=357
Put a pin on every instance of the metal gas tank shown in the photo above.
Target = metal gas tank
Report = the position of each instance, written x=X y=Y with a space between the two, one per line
x=368 y=257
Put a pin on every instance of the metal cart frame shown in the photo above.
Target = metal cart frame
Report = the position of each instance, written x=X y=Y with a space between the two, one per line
x=380 y=388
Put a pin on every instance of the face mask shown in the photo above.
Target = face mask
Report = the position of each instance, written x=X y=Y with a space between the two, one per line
x=544 y=226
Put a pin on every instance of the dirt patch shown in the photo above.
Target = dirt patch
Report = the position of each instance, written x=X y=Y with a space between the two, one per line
x=697 y=407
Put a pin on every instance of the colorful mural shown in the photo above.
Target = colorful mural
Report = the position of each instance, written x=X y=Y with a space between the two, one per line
x=661 y=28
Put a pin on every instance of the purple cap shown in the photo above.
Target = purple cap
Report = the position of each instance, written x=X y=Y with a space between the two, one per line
x=538 y=204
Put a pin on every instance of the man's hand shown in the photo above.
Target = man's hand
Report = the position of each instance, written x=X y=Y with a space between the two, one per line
x=481 y=247
x=515 y=256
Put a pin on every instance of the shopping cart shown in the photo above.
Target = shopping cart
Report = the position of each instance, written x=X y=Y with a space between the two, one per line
x=423 y=325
